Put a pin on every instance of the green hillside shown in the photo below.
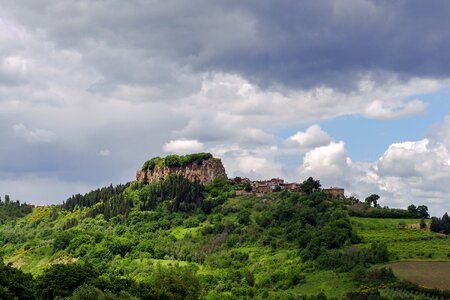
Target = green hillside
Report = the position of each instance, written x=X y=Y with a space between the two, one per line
x=176 y=239
x=404 y=238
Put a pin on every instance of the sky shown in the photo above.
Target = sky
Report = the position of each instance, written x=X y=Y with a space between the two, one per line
x=355 y=93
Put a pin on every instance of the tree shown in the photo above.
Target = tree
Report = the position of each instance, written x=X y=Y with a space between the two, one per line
x=445 y=218
x=380 y=252
x=440 y=225
x=247 y=186
x=412 y=209
x=310 y=186
x=172 y=283
x=354 y=200
x=90 y=292
x=14 y=284
x=422 y=212
x=423 y=225
x=372 y=199
x=435 y=225
x=61 y=280
x=244 y=217
x=62 y=240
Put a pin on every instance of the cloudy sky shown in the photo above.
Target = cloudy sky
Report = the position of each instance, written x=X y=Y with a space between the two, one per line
x=353 y=92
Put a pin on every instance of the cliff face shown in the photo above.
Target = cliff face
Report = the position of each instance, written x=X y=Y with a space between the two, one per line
x=205 y=172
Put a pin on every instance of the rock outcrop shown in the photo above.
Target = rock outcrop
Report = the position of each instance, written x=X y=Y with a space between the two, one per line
x=205 y=171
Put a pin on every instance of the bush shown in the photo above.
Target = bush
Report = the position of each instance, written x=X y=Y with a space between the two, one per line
x=89 y=292
x=14 y=284
x=351 y=257
x=62 y=240
x=374 y=276
x=175 y=161
x=171 y=283
x=61 y=280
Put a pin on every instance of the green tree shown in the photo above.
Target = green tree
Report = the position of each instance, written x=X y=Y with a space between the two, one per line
x=412 y=209
x=248 y=186
x=61 y=280
x=423 y=225
x=310 y=186
x=171 y=283
x=14 y=284
x=244 y=217
x=380 y=252
x=422 y=212
x=372 y=199
x=90 y=292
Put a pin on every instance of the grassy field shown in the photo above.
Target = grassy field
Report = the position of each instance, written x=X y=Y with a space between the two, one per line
x=404 y=239
x=331 y=283
x=431 y=274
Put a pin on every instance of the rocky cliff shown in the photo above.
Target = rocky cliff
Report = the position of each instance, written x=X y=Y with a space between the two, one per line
x=204 y=171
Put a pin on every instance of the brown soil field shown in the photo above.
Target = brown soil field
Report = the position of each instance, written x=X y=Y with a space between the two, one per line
x=430 y=274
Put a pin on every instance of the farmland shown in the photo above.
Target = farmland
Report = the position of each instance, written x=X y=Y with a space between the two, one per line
x=431 y=274
x=405 y=241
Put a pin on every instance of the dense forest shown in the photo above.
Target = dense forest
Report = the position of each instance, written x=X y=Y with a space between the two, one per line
x=10 y=210
x=177 y=239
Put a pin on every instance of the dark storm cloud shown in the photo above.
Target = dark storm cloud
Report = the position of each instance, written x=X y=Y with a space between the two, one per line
x=295 y=43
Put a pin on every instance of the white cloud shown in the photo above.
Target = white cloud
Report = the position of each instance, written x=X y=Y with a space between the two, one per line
x=412 y=172
x=253 y=162
x=408 y=159
x=312 y=137
x=329 y=163
x=35 y=135
x=13 y=70
x=255 y=136
x=228 y=104
x=183 y=146
x=104 y=152
x=383 y=110
x=417 y=170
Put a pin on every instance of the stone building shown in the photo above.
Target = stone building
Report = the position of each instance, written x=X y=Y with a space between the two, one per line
x=335 y=192
x=273 y=185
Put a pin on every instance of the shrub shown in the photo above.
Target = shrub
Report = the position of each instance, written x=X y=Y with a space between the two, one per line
x=62 y=240
x=61 y=280
x=171 y=283
x=175 y=160
x=14 y=284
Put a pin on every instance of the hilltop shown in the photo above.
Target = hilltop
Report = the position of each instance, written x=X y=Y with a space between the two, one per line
x=202 y=167
x=176 y=237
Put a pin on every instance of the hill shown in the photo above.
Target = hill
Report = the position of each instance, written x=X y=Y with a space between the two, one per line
x=176 y=238
x=202 y=167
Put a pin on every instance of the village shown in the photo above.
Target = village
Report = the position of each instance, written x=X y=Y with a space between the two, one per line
x=264 y=187
x=209 y=168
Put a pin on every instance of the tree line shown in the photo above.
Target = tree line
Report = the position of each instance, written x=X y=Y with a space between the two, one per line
x=79 y=281
x=178 y=193
x=174 y=191
x=441 y=225
x=10 y=209
x=93 y=197
x=175 y=160
x=371 y=209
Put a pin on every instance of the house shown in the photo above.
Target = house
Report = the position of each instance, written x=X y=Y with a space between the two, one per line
x=335 y=192
x=272 y=185
x=293 y=186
